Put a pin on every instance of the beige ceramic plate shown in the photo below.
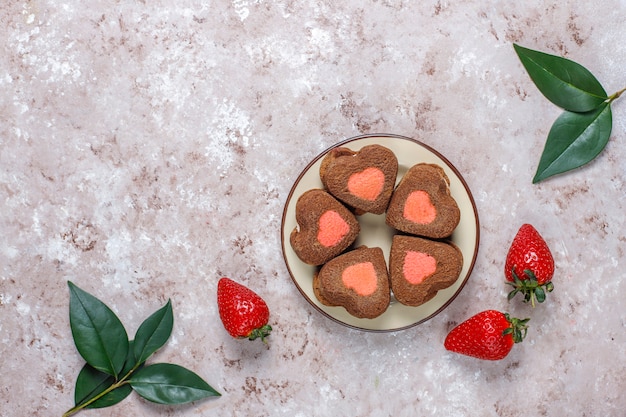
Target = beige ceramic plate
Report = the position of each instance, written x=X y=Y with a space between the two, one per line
x=374 y=232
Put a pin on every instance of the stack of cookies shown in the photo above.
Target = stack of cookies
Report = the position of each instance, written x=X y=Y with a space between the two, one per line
x=420 y=208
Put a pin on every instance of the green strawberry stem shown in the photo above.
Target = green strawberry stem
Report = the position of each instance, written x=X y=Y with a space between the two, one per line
x=518 y=328
x=261 y=332
x=530 y=288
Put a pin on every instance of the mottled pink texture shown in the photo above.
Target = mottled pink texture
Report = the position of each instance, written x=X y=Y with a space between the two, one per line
x=147 y=149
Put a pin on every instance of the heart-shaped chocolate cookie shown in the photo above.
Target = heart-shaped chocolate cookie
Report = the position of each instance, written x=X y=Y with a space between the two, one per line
x=419 y=268
x=363 y=180
x=422 y=205
x=356 y=280
x=325 y=227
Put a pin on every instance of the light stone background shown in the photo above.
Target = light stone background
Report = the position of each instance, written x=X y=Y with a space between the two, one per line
x=148 y=147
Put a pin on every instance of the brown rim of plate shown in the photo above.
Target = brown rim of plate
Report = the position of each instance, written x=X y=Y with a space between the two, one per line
x=450 y=166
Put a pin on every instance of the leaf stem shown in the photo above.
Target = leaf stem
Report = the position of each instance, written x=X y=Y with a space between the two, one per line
x=114 y=386
x=616 y=95
x=79 y=407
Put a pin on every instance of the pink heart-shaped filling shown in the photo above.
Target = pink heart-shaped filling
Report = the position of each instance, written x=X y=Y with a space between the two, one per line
x=361 y=278
x=367 y=184
x=418 y=266
x=418 y=208
x=331 y=228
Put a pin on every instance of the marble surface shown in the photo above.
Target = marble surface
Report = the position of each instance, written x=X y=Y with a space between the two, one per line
x=148 y=147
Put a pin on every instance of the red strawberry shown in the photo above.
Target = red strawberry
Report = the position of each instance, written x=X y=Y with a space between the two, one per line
x=487 y=335
x=529 y=265
x=243 y=313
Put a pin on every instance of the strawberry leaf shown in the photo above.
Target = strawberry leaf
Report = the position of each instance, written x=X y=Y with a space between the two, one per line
x=165 y=383
x=98 y=333
x=565 y=83
x=153 y=332
x=262 y=332
x=540 y=295
x=511 y=295
x=574 y=140
x=518 y=328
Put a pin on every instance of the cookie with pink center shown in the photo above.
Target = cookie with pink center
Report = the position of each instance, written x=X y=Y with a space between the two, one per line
x=356 y=280
x=419 y=268
x=363 y=180
x=325 y=227
x=422 y=204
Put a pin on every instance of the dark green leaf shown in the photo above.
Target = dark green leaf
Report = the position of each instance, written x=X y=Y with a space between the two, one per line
x=98 y=334
x=154 y=332
x=574 y=140
x=565 y=83
x=166 y=383
x=91 y=382
x=131 y=361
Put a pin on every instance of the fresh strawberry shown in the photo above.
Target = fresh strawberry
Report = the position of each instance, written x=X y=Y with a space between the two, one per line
x=243 y=312
x=529 y=265
x=487 y=335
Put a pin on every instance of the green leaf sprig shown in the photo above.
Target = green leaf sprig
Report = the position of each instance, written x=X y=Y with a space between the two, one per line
x=582 y=131
x=116 y=365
